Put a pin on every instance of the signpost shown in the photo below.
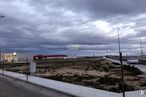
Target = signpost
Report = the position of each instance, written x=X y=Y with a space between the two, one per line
x=32 y=68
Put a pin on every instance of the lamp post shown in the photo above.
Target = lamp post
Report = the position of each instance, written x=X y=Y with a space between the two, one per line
x=121 y=62
x=141 y=47
x=1 y=16
x=27 y=70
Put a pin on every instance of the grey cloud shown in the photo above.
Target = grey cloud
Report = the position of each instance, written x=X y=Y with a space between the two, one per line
x=55 y=24
x=102 y=8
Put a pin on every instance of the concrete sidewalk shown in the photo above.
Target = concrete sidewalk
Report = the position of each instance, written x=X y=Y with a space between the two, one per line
x=72 y=89
x=10 y=87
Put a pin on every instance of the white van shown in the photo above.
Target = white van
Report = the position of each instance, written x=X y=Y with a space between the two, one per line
x=133 y=61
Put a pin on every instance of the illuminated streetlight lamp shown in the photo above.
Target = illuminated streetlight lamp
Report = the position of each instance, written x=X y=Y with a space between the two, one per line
x=14 y=56
x=14 y=53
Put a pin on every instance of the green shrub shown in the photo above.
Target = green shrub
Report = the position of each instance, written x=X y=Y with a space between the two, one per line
x=57 y=77
x=114 y=89
x=82 y=77
x=126 y=87
x=132 y=69
x=143 y=85
x=106 y=69
x=13 y=70
x=108 y=80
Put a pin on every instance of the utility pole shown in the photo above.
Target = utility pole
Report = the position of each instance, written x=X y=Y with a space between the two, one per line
x=0 y=54
x=1 y=58
x=119 y=45
x=27 y=69
x=107 y=52
x=93 y=54
x=141 y=47
x=121 y=62
x=1 y=16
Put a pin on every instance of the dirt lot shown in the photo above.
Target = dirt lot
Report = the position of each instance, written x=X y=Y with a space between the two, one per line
x=95 y=73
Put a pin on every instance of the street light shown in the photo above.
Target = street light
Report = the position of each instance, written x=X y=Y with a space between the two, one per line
x=141 y=47
x=14 y=57
x=121 y=62
x=27 y=69
x=1 y=16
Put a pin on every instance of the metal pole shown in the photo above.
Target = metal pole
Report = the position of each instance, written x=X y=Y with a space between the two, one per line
x=119 y=40
x=0 y=54
x=3 y=69
x=107 y=53
x=1 y=16
x=27 y=69
x=1 y=58
x=122 y=69
x=122 y=75
x=93 y=54
x=1 y=63
x=141 y=48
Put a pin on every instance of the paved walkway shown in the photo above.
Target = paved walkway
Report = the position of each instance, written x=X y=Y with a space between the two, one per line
x=77 y=90
x=14 y=88
x=27 y=91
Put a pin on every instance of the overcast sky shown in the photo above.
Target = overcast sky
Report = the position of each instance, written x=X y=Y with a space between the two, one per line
x=87 y=25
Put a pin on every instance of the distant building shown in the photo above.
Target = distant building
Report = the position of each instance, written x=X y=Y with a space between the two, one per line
x=45 y=57
x=9 y=57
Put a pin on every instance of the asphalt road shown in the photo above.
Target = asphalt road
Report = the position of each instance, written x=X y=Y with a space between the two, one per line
x=15 y=88
x=139 y=66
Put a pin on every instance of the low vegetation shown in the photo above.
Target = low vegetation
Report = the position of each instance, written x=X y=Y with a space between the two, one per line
x=90 y=72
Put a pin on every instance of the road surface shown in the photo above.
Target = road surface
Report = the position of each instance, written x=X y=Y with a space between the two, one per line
x=139 y=66
x=15 y=88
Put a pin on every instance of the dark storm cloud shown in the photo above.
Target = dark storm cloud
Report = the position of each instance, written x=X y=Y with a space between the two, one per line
x=97 y=8
x=57 y=24
x=110 y=7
